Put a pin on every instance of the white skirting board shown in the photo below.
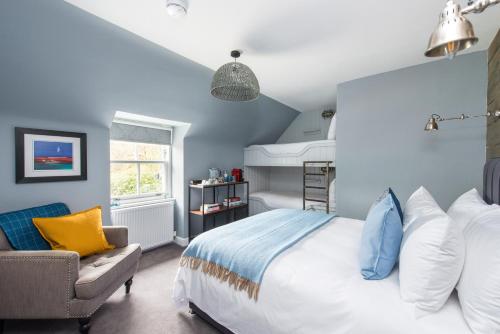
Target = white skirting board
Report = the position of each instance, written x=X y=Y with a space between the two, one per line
x=183 y=242
x=149 y=225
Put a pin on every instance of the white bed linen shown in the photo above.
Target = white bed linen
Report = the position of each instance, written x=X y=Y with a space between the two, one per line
x=290 y=148
x=279 y=199
x=315 y=288
x=288 y=200
x=292 y=154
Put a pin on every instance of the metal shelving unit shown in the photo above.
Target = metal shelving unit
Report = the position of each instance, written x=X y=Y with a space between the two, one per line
x=228 y=211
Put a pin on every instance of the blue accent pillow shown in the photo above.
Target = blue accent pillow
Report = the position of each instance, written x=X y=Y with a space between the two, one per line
x=19 y=229
x=396 y=202
x=381 y=239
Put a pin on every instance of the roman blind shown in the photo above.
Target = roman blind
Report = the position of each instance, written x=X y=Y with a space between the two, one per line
x=140 y=134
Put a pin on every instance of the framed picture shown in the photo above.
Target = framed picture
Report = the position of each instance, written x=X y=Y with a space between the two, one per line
x=50 y=156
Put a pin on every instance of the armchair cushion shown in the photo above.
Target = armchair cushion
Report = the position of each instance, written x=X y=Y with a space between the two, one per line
x=98 y=272
x=80 y=232
x=20 y=231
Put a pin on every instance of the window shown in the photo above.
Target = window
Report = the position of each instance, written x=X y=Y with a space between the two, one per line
x=139 y=171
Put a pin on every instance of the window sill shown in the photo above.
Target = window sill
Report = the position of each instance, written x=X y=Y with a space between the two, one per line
x=143 y=203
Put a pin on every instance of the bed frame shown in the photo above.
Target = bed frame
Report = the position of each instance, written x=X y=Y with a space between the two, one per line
x=491 y=181
x=197 y=311
x=491 y=194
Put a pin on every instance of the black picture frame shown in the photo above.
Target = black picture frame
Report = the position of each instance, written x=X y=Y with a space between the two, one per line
x=20 y=155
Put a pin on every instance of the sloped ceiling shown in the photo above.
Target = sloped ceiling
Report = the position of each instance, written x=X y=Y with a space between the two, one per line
x=300 y=50
x=60 y=63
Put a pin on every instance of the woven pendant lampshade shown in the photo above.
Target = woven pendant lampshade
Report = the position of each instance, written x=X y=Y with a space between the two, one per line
x=235 y=82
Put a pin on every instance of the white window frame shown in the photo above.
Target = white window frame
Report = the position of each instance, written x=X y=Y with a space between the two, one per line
x=138 y=197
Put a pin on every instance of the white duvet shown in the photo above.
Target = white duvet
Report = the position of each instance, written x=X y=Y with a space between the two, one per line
x=291 y=148
x=315 y=287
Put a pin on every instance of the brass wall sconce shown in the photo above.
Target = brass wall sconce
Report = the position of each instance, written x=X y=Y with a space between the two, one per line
x=432 y=123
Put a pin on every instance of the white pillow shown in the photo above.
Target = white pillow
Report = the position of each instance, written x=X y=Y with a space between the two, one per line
x=467 y=207
x=479 y=285
x=432 y=254
x=332 y=131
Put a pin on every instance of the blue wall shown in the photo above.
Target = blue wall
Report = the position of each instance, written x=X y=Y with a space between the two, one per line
x=381 y=140
x=64 y=69
x=308 y=126
x=79 y=195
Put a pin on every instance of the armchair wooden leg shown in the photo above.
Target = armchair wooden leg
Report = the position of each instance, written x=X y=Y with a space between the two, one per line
x=84 y=325
x=128 y=284
x=2 y=322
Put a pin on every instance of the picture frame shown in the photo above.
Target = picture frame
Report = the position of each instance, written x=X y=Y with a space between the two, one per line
x=50 y=156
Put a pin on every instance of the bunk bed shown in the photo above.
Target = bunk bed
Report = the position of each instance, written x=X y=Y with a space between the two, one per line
x=290 y=155
x=277 y=177
x=266 y=200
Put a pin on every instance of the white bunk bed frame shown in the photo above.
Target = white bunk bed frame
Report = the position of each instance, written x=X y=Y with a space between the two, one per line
x=292 y=155
x=258 y=167
x=259 y=161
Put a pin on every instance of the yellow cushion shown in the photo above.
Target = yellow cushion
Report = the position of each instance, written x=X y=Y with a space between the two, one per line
x=80 y=232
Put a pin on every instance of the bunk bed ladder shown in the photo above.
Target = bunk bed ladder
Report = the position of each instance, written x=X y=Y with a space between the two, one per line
x=324 y=167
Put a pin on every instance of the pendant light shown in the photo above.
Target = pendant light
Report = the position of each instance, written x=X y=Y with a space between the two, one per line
x=235 y=81
x=454 y=32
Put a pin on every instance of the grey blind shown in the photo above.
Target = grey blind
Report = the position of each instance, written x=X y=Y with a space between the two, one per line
x=140 y=134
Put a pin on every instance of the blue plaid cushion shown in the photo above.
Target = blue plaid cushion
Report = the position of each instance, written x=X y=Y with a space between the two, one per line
x=20 y=230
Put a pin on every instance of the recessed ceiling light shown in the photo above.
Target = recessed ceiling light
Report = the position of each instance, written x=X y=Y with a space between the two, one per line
x=177 y=8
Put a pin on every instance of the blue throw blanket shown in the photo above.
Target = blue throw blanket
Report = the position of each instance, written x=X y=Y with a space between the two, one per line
x=239 y=253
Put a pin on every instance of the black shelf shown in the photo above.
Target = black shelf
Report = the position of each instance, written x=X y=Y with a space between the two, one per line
x=225 y=184
x=230 y=212
x=199 y=213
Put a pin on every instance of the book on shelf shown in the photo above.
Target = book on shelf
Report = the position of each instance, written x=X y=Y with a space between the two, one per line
x=231 y=204
x=232 y=199
x=212 y=210
x=210 y=207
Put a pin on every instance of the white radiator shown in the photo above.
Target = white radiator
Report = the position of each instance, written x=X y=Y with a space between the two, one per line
x=148 y=225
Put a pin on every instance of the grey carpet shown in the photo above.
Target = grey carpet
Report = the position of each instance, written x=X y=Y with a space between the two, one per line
x=148 y=309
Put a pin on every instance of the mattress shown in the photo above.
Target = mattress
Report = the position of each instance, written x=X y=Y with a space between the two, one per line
x=293 y=154
x=278 y=200
x=262 y=201
x=314 y=288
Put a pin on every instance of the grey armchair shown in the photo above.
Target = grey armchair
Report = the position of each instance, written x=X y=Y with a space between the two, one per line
x=60 y=285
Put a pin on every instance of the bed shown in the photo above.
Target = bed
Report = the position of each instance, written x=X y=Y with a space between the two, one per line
x=315 y=287
x=337 y=301
x=290 y=155
x=262 y=201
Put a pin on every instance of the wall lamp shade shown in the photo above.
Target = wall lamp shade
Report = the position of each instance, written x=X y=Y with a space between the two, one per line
x=235 y=82
x=454 y=33
x=431 y=124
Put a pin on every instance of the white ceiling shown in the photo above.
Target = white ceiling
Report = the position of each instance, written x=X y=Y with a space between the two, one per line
x=299 y=49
